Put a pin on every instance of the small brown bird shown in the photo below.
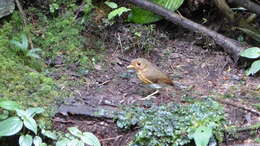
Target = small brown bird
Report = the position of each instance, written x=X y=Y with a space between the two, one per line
x=149 y=74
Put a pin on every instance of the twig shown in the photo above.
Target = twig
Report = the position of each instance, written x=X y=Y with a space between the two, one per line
x=24 y=20
x=231 y=46
x=111 y=138
x=79 y=9
x=238 y=105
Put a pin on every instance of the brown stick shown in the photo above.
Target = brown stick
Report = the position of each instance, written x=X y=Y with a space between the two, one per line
x=231 y=46
x=251 y=6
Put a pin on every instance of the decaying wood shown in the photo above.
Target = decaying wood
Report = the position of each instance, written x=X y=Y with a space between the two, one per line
x=98 y=112
x=231 y=46
x=251 y=6
x=238 y=105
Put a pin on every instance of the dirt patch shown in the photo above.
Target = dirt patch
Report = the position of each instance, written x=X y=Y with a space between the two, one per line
x=196 y=69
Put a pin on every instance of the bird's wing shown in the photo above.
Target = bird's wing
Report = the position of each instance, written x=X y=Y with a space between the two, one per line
x=144 y=78
x=157 y=76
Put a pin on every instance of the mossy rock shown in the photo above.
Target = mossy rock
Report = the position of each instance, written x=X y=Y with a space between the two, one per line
x=6 y=7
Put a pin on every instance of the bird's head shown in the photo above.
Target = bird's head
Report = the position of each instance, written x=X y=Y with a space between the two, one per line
x=139 y=64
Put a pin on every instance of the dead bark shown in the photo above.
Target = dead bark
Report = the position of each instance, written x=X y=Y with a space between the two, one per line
x=251 y=6
x=229 y=45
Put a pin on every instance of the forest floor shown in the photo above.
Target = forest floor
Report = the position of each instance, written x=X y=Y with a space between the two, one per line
x=197 y=66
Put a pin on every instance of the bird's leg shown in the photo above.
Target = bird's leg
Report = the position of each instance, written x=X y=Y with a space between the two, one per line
x=150 y=96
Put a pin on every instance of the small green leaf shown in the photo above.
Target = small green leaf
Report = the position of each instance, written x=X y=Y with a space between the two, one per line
x=202 y=135
x=28 y=121
x=37 y=141
x=22 y=113
x=252 y=53
x=63 y=142
x=9 y=105
x=90 y=139
x=10 y=126
x=117 y=12
x=25 y=42
x=18 y=45
x=75 y=142
x=49 y=134
x=111 y=4
x=33 y=54
x=43 y=144
x=25 y=140
x=75 y=131
x=255 y=67
x=34 y=111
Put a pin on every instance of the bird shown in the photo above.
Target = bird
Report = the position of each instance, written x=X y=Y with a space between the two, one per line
x=150 y=74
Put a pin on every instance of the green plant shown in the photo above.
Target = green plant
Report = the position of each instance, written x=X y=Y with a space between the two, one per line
x=53 y=7
x=77 y=138
x=141 y=16
x=14 y=120
x=13 y=124
x=22 y=48
x=174 y=124
x=117 y=11
x=252 y=53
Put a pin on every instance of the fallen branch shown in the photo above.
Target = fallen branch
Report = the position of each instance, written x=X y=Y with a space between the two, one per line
x=231 y=46
x=238 y=105
x=251 y=6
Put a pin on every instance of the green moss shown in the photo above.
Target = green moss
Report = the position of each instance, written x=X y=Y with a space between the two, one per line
x=61 y=37
x=18 y=81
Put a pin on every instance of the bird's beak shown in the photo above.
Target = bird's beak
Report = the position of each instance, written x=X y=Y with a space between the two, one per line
x=130 y=66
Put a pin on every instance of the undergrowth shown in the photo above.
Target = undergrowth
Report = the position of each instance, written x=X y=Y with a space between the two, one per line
x=26 y=80
x=61 y=35
x=171 y=124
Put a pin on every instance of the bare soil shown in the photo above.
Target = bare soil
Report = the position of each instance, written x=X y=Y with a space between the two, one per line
x=198 y=67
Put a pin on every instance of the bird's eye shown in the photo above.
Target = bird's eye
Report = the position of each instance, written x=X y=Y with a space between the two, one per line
x=138 y=63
